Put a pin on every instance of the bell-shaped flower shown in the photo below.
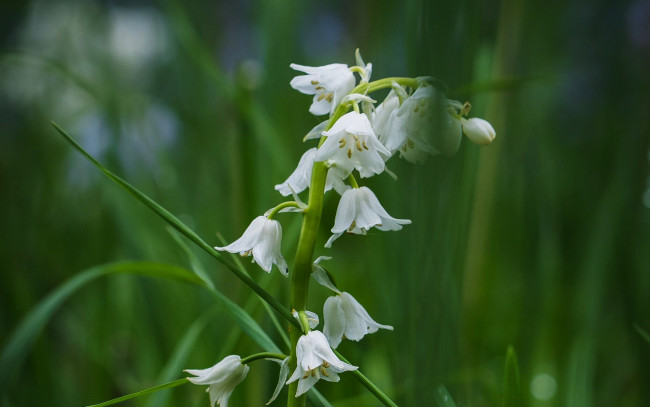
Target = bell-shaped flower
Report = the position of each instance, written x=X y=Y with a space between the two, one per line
x=408 y=128
x=383 y=112
x=359 y=210
x=299 y=179
x=327 y=83
x=221 y=378
x=262 y=239
x=315 y=361
x=479 y=131
x=345 y=317
x=351 y=143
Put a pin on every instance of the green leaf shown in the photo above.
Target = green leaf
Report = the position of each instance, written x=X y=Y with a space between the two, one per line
x=443 y=398
x=182 y=228
x=26 y=333
x=169 y=385
x=512 y=390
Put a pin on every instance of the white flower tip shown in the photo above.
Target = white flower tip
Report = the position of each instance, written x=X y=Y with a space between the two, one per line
x=479 y=131
x=322 y=258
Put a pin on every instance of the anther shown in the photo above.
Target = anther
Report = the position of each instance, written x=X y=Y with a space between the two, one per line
x=342 y=142
x=321 y=97
x=349 y=153
x=313 y=82
x=358 y=145
x=324 y=373
x=364 y=145
x=329 y=97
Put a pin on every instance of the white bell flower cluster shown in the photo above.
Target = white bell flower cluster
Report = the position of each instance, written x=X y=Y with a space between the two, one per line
x=414 y=120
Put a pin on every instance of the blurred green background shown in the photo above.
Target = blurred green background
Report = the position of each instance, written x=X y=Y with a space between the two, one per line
x=540 y=241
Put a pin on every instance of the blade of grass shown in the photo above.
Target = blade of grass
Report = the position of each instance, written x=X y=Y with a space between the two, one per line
x=25 y=334
x=169 y=385
x=512 y=387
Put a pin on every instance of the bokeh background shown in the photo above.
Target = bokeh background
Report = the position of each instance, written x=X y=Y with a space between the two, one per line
x=540 y=241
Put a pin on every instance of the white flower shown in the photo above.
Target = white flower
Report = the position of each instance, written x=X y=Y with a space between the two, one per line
x=358 y=211
x=327 y=83
x=315 y=360
x=408 y=128
x=284 y=373
x=299 y=179
x=221 y=378
x=261 y=239
x=479 y=131
x=351 y=143
x=382 y=113
x=344 y=316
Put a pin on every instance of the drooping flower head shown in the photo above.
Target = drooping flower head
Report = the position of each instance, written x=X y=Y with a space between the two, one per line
x=221 y=378
x=344 y=316
x=352 y=144
x=262 y=239
x=358 y=211
x=315 y=361
x=409 y=128
x=327 y=83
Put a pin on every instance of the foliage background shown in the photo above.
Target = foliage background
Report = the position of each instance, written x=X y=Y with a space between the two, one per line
x=539 y=241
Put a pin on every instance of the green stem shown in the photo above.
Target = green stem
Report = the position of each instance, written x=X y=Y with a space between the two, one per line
x=262 y=355
x=288 y=204
x=353 y=181
x=303 y=264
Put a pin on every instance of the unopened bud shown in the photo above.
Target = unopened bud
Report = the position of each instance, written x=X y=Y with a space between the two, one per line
x=479 y=131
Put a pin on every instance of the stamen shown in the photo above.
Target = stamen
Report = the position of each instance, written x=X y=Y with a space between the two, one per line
x=320 y=88
x=353 y=225
x=329 y=97
x=342 y=142
x=349 y=153
x=313 y=82
x=416 y=109
x=358 y=145
x=326 y=364
x=313 y=372
x=365 y=146
x=321 y=97
x=324 y=372
x=410 y=143
x=466 y=108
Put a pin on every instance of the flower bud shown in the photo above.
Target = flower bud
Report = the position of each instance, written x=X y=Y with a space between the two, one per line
x=479 y=131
